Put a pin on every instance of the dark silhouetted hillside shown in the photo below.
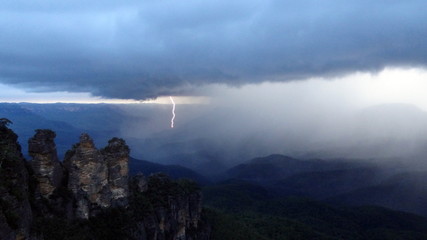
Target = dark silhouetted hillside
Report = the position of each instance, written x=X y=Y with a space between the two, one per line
x=276 y=167
x=174 y=171
x=405 y=192
x=246 y=205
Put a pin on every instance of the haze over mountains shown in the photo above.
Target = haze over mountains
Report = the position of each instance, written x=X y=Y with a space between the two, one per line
x=373 y=157
x=292 y=115
x=372 y=149
x=272 y=197
x=213 y=140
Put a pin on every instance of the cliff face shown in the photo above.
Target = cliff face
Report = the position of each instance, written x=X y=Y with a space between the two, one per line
x=175 y=212
x=92 y=187
x=98 y=179
x=15 y=210
x=116 y=155
x=87 y=177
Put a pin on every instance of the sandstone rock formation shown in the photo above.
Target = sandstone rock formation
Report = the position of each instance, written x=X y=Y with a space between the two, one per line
x=98 y=179
x=140 y=183
x=47 y=168
x=87 y=176
x=116 y=155
x=83 y=196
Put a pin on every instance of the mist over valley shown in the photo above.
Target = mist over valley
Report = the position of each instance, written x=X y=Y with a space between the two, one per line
x=213 y=120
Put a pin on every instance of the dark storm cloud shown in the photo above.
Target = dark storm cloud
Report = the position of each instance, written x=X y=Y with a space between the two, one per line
x=143 y=49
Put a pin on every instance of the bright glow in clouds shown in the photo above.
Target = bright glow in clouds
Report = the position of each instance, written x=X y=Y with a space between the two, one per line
x=388 y=86
x=392 y=85
x=395 y=85
x=173 y=111
x=11 y=94
x=180 y=100
x=357 y=90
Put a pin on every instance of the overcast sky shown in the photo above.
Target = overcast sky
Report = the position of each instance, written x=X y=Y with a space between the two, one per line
x=146 y=49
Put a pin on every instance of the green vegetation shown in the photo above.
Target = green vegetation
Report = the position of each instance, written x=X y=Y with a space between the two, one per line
x=160 y=189
x=4 y=122
x=230 y=227
x=188 y=185
x=236 y=207
x=116 y=223
x=109 y=225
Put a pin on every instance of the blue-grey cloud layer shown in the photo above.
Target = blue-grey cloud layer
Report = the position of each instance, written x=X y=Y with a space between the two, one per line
x=142 y=49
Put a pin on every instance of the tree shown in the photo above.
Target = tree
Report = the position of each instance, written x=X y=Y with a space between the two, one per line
x=4 y=122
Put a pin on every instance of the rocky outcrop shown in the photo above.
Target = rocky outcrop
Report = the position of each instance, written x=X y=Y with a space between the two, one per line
x=97 y=179
x=47 y=169
x=90 y=195
x=176 y=210
x=15 y=210
x=140 y=183
x=87 y=176
x=116 y=155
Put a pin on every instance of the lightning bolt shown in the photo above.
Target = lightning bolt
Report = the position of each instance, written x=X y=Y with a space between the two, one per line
x=173 y=111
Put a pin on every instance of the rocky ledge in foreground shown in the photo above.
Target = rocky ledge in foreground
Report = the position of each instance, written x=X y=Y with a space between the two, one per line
x=90 y=195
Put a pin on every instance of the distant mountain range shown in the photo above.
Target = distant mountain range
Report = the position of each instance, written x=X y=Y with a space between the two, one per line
x=25 y=121
x=241 y=210
x=384 y=131
x=405 y=192
x=338 y=181
x=342 y=182
x=276 y=166
x=280 y=197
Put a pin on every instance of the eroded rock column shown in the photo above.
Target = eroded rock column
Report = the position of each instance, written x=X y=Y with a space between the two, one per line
x=87 y=176
x=98 y=179
x=45 y=163
x=117 y=157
